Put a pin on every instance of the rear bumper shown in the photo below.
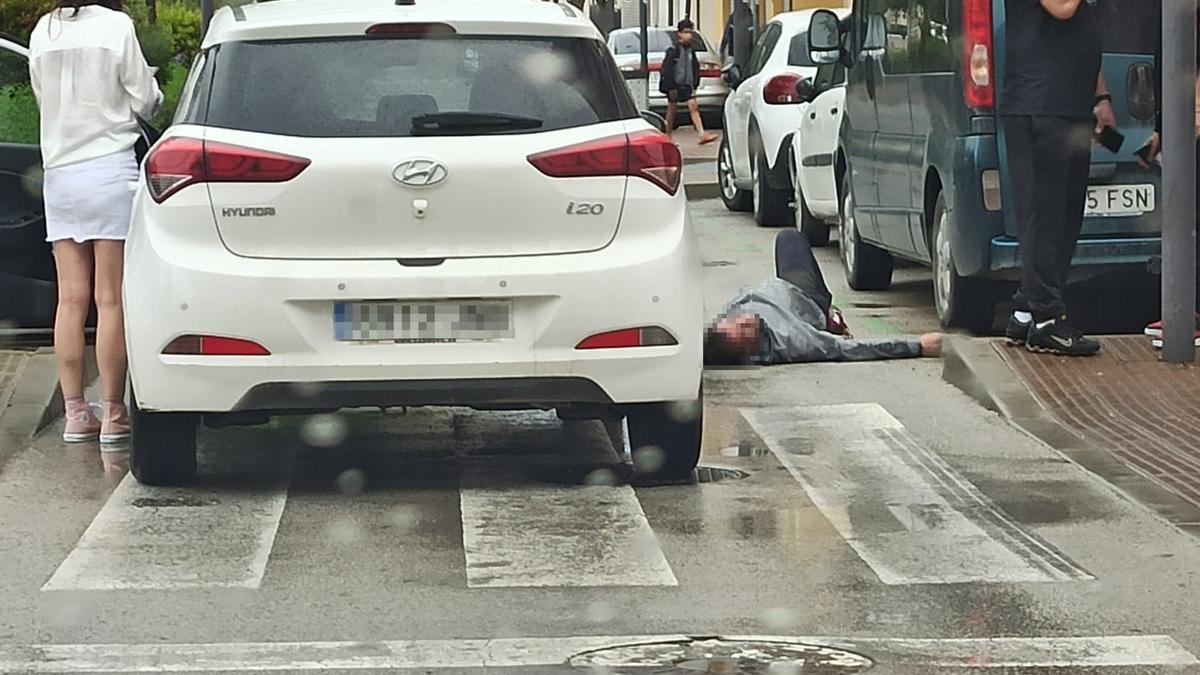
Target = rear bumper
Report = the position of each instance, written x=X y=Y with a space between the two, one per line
x=1122 y=252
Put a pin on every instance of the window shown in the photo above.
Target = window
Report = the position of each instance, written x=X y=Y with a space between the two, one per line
x=19 y=119
x=799 y=53
x=888 y=23
x=929 y=47
x=630 y=42
x=364 y=87
x=185 y=111
x=828 y=76
x=763 y=48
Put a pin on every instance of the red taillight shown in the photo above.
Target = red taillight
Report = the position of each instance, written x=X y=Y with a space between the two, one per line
x=645 y=154
x=710 y=70
x=209 y=345
x=636 y=68
x=629 y=337
x=411 y=30
x=782 y=89
x=979 y=83
x=178 y=162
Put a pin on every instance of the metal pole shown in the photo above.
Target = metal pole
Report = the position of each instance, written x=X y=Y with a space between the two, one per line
x=742 y=35
x=643 y=24
x=671 y=12
x=1179 y=180
x=206 y=13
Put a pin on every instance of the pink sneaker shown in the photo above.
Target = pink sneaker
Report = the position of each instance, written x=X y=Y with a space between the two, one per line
x=82 y=425
x=115 y=428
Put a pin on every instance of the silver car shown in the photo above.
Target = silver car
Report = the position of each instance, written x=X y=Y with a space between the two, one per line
x=625 y=44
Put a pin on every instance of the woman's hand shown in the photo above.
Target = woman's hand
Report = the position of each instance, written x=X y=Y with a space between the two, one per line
x=1153 y=148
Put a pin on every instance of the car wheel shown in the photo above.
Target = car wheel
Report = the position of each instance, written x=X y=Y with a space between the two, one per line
x=735 y=199
x=868 y=268
x=771 y=206
x=815 y=229
x=665 y=438
x=162 y=448
x=961 y=302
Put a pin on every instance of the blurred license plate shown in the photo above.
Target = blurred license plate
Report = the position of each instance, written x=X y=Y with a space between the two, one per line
x=1112 y=201
x=439 y=321
x=654 y=78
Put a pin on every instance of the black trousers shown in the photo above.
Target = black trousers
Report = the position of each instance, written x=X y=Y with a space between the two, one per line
x=796 y=264
x=1048 y=162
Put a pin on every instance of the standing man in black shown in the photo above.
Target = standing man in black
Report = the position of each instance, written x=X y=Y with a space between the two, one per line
x=1053 y=102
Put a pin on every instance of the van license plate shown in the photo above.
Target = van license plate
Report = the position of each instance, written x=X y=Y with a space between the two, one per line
x=434 y=321
x=1114 y=201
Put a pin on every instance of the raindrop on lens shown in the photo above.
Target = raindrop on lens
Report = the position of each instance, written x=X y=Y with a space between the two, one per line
x=324 y=431
x=601 y=612
x=405 y=517
x=684 y=411
x=345 y=531
x=351 y=482
x=779 y=618
x=649 y=459
x=601 y=477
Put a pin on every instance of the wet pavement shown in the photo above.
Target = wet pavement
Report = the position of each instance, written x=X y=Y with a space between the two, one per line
x=852 y=518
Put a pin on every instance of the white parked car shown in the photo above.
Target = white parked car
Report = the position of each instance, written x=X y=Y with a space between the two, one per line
x=761 y=116
x=814 y=147
x=626 y=46
x=466 y=210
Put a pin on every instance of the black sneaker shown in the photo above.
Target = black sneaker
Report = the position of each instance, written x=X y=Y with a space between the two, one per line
x=1062 y=338
x=1017 y=331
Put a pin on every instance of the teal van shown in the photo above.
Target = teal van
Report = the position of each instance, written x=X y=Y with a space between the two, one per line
x=921 y=155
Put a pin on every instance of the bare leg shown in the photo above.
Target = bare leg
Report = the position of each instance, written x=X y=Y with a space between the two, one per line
x=672 y=110
x=110 y=329
x=74 y=263
x=698 y=122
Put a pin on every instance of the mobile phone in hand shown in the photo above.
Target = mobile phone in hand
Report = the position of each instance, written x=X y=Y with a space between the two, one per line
x=1144 y=153
x=1111 y=139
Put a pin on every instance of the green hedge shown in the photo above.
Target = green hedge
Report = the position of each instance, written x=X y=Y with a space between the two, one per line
x=18 y=114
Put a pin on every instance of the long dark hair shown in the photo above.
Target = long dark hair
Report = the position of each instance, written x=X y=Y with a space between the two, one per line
x=115 y=5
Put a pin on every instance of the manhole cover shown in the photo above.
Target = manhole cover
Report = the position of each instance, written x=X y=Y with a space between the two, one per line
x=723 y=657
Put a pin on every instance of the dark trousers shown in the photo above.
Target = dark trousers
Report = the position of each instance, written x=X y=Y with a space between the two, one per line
x=796 y=264
x=1048 y=162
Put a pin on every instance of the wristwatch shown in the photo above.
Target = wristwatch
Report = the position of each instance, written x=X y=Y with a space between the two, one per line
x=1102 y=98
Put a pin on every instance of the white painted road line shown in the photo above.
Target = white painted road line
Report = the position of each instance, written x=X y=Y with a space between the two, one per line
x=1062 y=652
x=531 y=536
x=907 y=513
x=159 y=539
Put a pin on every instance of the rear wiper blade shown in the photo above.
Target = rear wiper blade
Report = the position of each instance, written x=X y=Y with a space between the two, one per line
x=450 y=122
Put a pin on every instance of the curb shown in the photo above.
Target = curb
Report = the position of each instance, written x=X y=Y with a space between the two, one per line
x=36 y=401
x=974 y=366
x=697 y=191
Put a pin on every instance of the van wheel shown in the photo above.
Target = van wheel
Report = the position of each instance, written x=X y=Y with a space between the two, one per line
x=868 y=268
x=162 y=448
x=815 y=229
x=734 y=199
x=665 y=438
x=771 y=206
x=961 y=302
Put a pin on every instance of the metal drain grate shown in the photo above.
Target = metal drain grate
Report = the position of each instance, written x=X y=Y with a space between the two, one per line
x=724 y=657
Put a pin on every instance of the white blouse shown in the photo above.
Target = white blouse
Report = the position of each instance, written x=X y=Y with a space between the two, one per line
x=90 y=79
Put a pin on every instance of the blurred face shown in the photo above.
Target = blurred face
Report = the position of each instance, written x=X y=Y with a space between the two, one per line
x=742 y=332
x=685 y=36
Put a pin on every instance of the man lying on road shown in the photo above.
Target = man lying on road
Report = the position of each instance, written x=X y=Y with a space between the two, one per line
x=790 y=319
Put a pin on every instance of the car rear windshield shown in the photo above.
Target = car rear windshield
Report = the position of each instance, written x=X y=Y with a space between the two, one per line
x=630 y=42
x=378 y=87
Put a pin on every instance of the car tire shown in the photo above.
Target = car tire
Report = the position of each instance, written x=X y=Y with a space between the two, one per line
x=162 y=447
x=961 y=302
x=771 y=207
x=868 y=268
x=734 y=198
x=813 y=228
x=665 y=439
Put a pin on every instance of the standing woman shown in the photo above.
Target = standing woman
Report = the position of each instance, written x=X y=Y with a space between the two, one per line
x=92 y=83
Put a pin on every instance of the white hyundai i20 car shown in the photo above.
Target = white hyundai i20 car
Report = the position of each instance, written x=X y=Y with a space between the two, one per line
x=367 y=203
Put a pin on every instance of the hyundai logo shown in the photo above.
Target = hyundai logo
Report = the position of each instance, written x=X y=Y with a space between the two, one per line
x=420 y=172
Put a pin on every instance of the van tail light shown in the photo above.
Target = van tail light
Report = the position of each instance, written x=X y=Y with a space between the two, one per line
x=211 y=345
x=781 y=89
x=178 y=162
x=653 y=336
x=979 y=84
x=644 y=154
x=636 y=68
x=710 y=70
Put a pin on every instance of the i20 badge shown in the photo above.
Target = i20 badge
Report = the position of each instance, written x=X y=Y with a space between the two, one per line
x=420 y=172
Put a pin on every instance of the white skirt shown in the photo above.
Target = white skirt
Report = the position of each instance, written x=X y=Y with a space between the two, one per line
x=92 y=199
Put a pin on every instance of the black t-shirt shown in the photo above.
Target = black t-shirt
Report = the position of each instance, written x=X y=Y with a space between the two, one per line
x=1050 y=66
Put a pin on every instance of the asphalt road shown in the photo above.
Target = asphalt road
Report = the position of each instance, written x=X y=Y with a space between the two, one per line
x=852 y=516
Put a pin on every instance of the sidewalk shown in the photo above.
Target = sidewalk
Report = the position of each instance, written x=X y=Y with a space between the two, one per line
x=1124 y=403
x=699 y=163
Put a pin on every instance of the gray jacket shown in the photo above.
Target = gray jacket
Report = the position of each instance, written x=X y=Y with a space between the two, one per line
x=796 y=329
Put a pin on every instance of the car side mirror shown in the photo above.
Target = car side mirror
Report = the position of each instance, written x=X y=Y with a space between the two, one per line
x=824 y=37
x=875 y=42
x=657 y=121
x=805 y=90
x=732 y=74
